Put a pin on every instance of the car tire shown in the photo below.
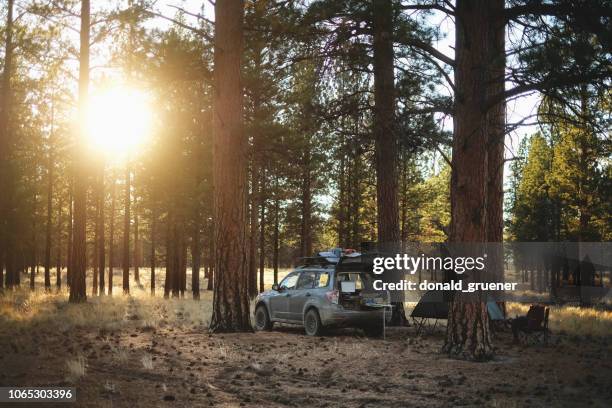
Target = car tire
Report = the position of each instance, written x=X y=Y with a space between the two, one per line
x=312 y=323
x=262 y=319
x=373 y=330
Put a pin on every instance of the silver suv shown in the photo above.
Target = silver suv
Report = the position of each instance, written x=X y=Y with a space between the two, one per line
x=321 y=296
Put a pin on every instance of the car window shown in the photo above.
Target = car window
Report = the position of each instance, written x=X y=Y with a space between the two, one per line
x=322 y=280
x=290 y=281
x=307 y=280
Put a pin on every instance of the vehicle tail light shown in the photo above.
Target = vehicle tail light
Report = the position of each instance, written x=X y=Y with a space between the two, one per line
x=333 y=296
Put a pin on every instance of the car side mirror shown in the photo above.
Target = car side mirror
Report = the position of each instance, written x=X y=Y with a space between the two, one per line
x=275 y=287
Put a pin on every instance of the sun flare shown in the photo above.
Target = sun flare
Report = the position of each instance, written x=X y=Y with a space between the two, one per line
x=118 y=120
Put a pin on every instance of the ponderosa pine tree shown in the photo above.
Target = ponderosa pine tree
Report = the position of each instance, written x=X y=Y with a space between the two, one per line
x=79 y=252
x=111 y=235
x=230 y=298
x=7 y=244
x=125 y=260
x=49 y=221
x=468 y=334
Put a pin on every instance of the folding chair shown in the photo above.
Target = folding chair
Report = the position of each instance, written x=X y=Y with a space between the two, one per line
x=534 y=325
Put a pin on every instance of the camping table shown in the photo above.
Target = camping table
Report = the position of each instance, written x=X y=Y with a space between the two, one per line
x=384 y=308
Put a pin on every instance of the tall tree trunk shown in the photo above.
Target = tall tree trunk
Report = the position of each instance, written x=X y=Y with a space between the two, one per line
x=342 y=184
x=169 y=240
x=196 y=250
x=262 y=235
x=175 y=262
x=385 y=138
x=111 y=238
x=385 y=135
x=153 y=231
x=101 y=250
x=58 y=242
x=306 y=227
x=182 y=260
x=495 y=152
x=252 y=281
x=404 y=202
x=79 y=257
x=49 y=225
x=468 y=333
x=211 y=255
x=126 y=230
x=275 y=235
x=33 y=260
x=231 y=298
x=70 y=230
x=196 y=257
x=7 y=249
x=137 y=249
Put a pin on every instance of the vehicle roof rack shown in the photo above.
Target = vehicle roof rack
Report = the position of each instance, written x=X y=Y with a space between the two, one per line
x=316 y=261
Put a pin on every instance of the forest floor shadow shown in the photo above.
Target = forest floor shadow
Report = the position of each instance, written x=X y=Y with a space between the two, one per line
x=143 y=352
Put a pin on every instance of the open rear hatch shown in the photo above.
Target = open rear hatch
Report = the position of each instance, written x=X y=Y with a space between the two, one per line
x=354 y=281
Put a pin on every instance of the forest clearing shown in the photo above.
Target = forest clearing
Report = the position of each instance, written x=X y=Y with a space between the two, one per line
x=146 y=351
x=231 y=203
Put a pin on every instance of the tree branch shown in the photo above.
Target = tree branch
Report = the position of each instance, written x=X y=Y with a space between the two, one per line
x=427 y=48
x=429 y=7
x=197 y=31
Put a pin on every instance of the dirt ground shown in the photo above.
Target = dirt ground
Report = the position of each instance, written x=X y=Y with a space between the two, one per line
x=182 y=365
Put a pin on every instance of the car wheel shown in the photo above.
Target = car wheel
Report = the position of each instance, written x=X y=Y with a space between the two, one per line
x=312 y=323
x=262 y=319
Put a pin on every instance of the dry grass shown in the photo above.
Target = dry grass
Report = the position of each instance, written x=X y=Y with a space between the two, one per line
x=571 y=319
x=147 y=362
x=26 y=309
x=76 y=369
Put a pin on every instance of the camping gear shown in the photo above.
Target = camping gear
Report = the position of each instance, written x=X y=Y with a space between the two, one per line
x=533 y=325
x=433 y=306
x=430 y=306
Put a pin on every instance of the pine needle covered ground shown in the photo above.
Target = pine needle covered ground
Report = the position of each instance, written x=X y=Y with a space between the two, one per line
x=145 y=351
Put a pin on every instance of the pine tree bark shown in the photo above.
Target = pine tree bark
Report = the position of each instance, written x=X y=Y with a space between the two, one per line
x=306 y=226
x=79 y=253
x=253 y=222
x=101 y=250
x=111 y=238
x=231 y=298
x=262 y=231
x=196 y=256
x=385 y=137
x=153 y=243
x=182 y=260
x=211 y=254
x=468 y=333
x=7 y=249
x=137 y=243
x=126 y=230
x=58 y=242
x=49 y=225
x=196 y=250
x=175 y=277
x=275 y=237
x=168 y=255
x=70 y=230
x=495 y=153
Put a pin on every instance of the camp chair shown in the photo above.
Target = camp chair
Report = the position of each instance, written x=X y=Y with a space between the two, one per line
x=422 y=325
x=431 y=306
x=537 y=324
x=496 y=317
